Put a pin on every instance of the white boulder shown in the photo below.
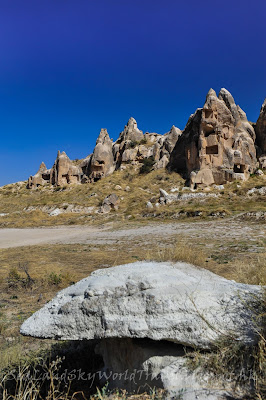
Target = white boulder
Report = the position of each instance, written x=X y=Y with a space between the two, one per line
x=161 y=301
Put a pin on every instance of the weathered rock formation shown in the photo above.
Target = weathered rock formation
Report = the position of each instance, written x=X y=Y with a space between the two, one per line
x=144 y=313
x=63 y=172
x=102 y=161
x=261 y=135
x=217 y=144
x=110 y=202
x=40 y=178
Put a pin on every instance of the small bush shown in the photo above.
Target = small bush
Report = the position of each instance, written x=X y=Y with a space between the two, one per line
x=132 y=144
x=54 y=279
x=143 y=141
x=147 y=165
x=14 y=279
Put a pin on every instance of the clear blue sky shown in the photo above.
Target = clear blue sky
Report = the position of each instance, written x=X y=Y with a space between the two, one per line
x=71 y=67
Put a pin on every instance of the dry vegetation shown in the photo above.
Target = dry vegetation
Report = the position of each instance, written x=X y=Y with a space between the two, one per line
x=15 y=198
x=30 y=276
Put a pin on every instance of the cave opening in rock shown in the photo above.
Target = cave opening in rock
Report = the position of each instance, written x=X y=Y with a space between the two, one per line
x=212 y=149
x=208 y=113
x=239 y=168
x=46 y=177
x=98 y=167
x=65 y=178
x=209 y=131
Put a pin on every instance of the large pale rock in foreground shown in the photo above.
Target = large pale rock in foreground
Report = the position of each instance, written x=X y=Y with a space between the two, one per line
x=159 y=301
x=142 y=315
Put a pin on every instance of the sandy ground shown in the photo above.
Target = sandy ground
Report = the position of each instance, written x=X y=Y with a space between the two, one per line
x=218 y=230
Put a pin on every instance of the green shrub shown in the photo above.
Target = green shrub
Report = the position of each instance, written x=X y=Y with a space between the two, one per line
x=147 y=165
x=54 y=279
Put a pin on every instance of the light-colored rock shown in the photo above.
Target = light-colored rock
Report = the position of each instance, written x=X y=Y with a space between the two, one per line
x=55 y=212
x=160 y=301
x=259 y=172
x=218 y=187
x=143 y=314
x=149 y=205
x=166 y=198
x=162 y=163
x=118 y=187
x=131 y=132
x=129 y=155
x=260 y=191
x=41 y=178
x=170 y=139
x=262 y=161
x=102 y=161
x=64 y=172
x=177 y=379
x=110 y=202
x=163 y=193
x=142 y=363
x=217 y=144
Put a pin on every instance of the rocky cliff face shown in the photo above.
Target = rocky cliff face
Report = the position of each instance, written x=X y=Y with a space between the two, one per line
x=261 y=135
x=63 y=172
x=216 y=146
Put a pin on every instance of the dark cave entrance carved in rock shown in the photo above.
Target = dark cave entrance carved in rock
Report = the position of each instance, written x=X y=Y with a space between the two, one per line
x=212 y=149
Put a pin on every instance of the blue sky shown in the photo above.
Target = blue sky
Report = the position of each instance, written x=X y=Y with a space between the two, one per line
x=70 y=68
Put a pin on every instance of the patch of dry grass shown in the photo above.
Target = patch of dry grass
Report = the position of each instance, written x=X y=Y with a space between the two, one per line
x=14 y=198
x=233 y=361
x=182 y=251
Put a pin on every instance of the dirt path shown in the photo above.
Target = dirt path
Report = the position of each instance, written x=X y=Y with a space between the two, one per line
x=215 y=230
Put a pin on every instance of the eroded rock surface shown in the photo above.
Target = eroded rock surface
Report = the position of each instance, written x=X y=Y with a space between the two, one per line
x=261 y=134
x=217 y=144
x=143 y=314
x=102 y=161
x=160 y=301
x=63 y=172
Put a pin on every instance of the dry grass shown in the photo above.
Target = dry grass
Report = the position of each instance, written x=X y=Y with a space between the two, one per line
x=14 y=198
x=182 y=251
x=233 y=361
x=53 y=267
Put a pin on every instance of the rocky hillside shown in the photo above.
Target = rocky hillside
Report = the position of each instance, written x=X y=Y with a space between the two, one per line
x=218 y=145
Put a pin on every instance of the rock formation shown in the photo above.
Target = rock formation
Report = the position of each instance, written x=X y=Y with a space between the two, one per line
x=125 y=148
x=102 y=161
x=217 y=144
x=63 y=172
x=110 y=202
x=40 y=178
x=261 y=135
x=143 y=314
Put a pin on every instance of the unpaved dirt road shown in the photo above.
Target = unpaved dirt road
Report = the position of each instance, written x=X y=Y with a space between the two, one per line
x=228 y=229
